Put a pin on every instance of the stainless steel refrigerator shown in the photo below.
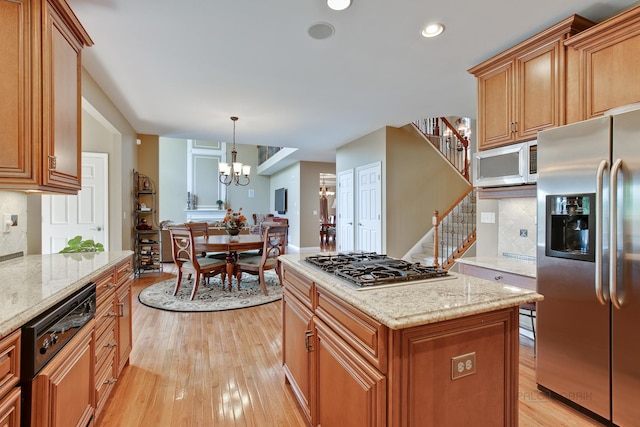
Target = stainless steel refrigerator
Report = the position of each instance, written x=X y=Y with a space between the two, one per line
x=588 y=198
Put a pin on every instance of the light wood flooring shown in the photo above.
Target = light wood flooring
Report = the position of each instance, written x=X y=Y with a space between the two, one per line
x=224 y=369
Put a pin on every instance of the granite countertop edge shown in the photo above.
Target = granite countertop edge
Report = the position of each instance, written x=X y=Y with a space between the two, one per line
x=421 y=303
x=29 y=285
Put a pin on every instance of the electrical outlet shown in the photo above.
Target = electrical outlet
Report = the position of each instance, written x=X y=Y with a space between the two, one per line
x=463 y=365
x=524 y=232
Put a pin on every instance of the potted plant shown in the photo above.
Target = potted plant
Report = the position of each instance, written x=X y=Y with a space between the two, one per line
x=219 y=203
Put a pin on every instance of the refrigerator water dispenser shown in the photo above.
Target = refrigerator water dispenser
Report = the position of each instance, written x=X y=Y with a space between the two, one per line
x=570 y=227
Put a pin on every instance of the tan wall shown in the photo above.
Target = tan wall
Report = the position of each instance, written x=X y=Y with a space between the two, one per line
x=419 y=182
x=122 y=160
x=415 y=182
x=288 y=178
x=310 y=201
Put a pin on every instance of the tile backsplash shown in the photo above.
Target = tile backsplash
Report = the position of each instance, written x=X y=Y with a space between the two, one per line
x=16 y=239
x=517 y=226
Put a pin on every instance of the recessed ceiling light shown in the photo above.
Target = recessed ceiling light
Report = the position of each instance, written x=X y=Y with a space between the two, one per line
x=321 y=30
x=338 y=4
x=432 y=30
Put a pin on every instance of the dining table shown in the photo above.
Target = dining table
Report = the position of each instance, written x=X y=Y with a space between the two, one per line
x=231 y=245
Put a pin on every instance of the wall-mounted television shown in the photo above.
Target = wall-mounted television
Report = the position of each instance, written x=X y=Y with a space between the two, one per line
x=281 y=201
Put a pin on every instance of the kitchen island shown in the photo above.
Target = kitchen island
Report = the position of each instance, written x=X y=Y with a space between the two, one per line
x=435 y=352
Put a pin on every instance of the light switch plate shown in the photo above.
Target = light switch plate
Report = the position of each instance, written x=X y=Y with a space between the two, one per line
x=488 y=217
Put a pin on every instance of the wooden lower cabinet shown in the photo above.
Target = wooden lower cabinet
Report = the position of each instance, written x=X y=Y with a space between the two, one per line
x=113 y=335
x=351 y=392
x=297 y=352
x=346 y=369
x=124 y=273
x=9 y=380
x=62 y=393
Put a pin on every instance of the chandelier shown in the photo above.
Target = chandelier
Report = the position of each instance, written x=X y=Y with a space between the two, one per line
x=230 y=173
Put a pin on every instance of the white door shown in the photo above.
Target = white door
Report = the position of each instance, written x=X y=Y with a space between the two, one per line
x=369 y=227
x=86 y=214
x=345 y=219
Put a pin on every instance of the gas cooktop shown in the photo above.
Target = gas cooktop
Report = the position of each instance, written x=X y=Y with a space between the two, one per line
x=366 y=269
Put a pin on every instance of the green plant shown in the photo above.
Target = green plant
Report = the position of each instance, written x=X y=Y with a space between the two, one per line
x=78 y=245
x=219 y=203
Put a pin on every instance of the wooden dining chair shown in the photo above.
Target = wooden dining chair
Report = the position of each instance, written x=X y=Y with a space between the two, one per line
x=274 y=245
x=187 y=261
x=201 y=229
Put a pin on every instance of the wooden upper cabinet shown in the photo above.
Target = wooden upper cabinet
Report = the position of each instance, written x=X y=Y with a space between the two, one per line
x=40 y=115
x=521 y=90
x=608 y=56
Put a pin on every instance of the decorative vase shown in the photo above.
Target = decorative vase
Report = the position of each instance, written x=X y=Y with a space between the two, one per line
x=233 y=231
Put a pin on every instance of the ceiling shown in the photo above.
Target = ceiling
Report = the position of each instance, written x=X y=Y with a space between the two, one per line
x=181 y=69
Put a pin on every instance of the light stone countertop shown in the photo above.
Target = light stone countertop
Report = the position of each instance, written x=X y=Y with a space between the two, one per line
x=501 y=263
x=31 y=284
x=419 y=303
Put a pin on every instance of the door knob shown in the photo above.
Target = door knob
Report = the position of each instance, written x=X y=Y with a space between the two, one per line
x=97 y=228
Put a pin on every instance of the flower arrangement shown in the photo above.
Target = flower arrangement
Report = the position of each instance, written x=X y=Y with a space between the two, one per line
x=234 y=220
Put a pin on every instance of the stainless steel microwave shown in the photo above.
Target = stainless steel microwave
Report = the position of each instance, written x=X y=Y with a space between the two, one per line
x=514 y=164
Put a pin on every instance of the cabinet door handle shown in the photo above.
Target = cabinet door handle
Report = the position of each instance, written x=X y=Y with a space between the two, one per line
x=111 y=381
x=498 y=278
x=307 y=340
x=121 y=305
x=111 y=344
x=52 y=163
x=111 y=314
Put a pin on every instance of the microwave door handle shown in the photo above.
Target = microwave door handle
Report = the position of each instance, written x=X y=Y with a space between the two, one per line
x=613 y=233
x=602 y=167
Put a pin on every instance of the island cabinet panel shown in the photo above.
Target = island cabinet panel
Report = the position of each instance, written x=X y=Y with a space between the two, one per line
x=522 y=90
x=351 y=392
x=457 y=372
x=300 y=286
x=40 y=134
x=364 y=334
x=609 y=64
x=62 y=392
x=297 y=350
x=9 y=378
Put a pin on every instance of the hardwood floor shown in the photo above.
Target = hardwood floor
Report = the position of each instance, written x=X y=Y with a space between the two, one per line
x=224 y=369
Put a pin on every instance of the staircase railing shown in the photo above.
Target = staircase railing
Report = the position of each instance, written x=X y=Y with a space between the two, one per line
x=455 y=230
x=446 y=138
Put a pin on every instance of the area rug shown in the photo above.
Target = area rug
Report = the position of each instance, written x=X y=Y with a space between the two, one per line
x=210 y=296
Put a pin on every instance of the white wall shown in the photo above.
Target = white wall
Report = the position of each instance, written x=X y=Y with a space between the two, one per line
x=503 y=237
x=16 y=240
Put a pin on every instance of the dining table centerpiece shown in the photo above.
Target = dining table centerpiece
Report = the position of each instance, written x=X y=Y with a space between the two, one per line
x=234 y=222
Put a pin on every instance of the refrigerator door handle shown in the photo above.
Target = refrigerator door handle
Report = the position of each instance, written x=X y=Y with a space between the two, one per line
x=599 y=207
x=613 y=233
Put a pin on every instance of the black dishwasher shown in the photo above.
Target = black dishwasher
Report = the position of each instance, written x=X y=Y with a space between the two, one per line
x=44 y=336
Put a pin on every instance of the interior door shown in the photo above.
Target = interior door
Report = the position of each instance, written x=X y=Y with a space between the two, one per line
x=345 y=219
x=66 y=216
x=369 y=226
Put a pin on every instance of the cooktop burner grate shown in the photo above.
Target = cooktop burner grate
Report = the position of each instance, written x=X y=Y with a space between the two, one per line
x=371 y=269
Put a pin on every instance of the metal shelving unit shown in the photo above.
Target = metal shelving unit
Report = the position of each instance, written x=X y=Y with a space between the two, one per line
x=148 y=243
